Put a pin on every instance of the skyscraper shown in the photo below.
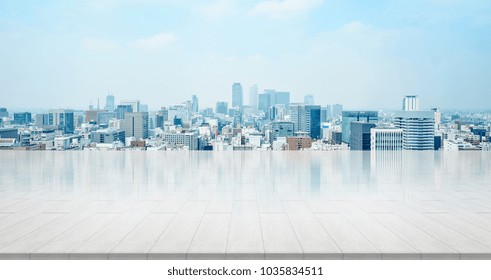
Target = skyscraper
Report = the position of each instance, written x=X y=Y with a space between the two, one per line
x=418 y=129
x=237 y=95
x=308 y=99
x=221 y=108
x=410 y=103
x=63 y=119
x=306 y=118
x=135 y=104
x=121 y=110
x=136 y=125
x=109 y=103
x=337 y=110
x=253 y=92
x=194 y=104
x=271 y=97
x=356 y=116
x=360 y=136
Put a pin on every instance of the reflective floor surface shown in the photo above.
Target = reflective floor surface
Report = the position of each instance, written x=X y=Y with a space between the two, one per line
x=245 y=205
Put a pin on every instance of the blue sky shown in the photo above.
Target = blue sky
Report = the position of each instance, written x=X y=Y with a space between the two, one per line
x=363 y=54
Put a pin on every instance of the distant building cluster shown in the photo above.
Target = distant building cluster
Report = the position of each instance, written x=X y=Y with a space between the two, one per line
x=270 y=121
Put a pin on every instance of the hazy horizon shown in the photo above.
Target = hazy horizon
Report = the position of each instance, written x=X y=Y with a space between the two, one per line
x=66 y=54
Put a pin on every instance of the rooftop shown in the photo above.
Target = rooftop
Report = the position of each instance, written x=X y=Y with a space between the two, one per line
x=245 y=205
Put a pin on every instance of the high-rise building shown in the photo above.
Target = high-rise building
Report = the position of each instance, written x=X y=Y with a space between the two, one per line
x=410 y=103
x=135 y=105
x=308 y=99
x=337 y=110
x=92 y=116
x=164 y=112
x=143 y=108
x=136 y=125
x=386 y=139
x=4 y=113
x=438 y=117
x=221 y=108
x=253 y=92
x=306 y=118
x=194 y=104
x=323 y=114
x=281 y=129
x=329 y=111
x=121 y=110
x=22 y=118
x=179 y=111
x=104 y=117
x=271 y=97
x=41 y=120
x=63 y=119
x=360 y=136
x=418 y=129
x=109 y=103
x=237 y=95
x=355 y=116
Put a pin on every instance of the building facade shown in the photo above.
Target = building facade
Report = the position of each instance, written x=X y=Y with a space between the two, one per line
x=360 y=136
x=356 y=116
x=418 y=129
x=386 y=139
x=136 y=125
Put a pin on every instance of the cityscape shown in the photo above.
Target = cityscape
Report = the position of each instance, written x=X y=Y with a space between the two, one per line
x=267 y=121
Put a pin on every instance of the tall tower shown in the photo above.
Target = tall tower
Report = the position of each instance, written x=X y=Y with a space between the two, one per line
x=253 y=92
x=237 y=95
x=194 y=104
x=109 y=103
x=308 y=99
x=410 y=103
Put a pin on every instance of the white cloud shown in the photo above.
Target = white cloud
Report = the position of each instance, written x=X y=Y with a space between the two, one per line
x=98 y=44
x=284 y=8
x=155 y=42
x=218 y=9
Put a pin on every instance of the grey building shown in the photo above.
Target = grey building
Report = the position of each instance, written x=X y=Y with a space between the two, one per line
x=63 y=119
x=121 y=110
x=237 y=95
x=104 y=117
x=221 y=108
x=108 y=136
x=194 y=104
x=360 y=136
x=109 y=103
x=136 y=125
x=306 y=118
x=356 y=116
x=187 y=138
x=281 y=129
x=271 y=97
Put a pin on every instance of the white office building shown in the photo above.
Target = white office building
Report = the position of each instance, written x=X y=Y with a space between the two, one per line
x=418 y=129
x=177 y=139
x=386 y=139
x=410 y=103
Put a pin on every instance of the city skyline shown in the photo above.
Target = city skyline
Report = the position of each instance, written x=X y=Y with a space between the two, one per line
x=363 y=55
